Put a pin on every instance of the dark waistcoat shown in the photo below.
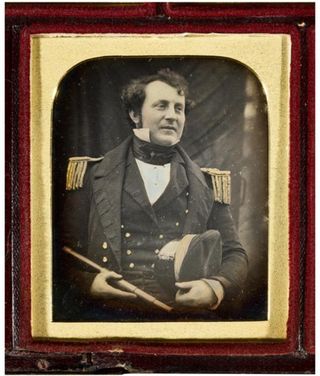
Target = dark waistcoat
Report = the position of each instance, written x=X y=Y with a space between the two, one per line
x=146 y=228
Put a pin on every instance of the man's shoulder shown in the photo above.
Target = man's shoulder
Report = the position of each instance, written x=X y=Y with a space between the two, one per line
x=77 y=170
x=219 y=181
x=81 y=168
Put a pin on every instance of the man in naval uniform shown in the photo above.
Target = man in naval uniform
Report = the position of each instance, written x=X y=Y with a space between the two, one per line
x=140 y=198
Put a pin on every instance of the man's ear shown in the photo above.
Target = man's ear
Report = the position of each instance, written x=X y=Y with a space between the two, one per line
x=135 y=118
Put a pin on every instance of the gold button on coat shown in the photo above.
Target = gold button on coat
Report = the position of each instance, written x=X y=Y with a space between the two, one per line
x=160 y=236
x=127 y=235
x=129 y=251
x=131 y=265
x=105 y=259
x=156 y=251
x=104 y=245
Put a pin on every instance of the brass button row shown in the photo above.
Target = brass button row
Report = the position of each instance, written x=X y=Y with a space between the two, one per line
x=129 y=252
x=161 y=236
x=132 y=265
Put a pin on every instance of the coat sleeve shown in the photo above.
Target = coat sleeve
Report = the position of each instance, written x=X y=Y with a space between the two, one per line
x=234 y=264
x=74 y=234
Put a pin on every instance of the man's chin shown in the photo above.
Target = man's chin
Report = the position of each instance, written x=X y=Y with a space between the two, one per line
x=165 y=141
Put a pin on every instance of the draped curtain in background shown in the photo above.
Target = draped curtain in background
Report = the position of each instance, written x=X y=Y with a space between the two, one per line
x=227 y=129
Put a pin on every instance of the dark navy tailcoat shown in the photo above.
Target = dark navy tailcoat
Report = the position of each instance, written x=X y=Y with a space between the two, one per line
x=92 y=223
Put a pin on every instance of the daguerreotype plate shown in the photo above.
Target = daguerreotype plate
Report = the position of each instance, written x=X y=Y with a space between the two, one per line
x=240 y=119
x=160 y=189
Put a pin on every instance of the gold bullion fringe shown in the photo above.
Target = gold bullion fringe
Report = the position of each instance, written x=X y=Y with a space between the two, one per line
x=221 y=183
x=76 y=170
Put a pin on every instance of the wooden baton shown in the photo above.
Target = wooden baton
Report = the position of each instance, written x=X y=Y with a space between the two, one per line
x=123 y=284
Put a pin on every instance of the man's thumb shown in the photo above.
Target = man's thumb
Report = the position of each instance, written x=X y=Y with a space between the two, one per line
x=109 y=274
x=184 y=285
x=115 y=275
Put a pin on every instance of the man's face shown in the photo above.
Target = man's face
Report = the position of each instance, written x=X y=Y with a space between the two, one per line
x=163 y=112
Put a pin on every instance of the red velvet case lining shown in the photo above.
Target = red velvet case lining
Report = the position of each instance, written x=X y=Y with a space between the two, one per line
x=291 y=344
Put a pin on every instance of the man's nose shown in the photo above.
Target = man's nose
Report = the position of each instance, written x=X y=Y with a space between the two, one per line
x=171 y=113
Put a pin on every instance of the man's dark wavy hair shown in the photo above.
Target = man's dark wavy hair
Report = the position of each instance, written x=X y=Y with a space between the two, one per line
x=133 y=94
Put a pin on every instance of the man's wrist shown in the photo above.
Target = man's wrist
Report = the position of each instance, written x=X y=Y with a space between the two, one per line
x=218 y=291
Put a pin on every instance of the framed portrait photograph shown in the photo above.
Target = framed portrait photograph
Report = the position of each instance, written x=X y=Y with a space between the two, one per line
x=163 y=178
x=107 y=113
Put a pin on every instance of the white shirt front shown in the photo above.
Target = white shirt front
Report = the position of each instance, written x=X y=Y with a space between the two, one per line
x=155 y=178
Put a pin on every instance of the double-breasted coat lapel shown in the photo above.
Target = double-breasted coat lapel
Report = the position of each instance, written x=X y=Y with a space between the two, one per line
x=107 y=190
x=200 y=200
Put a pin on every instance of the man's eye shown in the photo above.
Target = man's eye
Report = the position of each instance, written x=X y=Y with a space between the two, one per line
x=179 y=109
x=161 y=106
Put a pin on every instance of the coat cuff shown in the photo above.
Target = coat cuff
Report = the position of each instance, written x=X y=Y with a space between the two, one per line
x=217 y=289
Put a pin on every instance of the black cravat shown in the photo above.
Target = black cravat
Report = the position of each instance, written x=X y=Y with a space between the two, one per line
x=152 y=153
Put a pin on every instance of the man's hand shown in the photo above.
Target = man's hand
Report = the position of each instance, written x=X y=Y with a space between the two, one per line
x=100 y=287
x=195 y=294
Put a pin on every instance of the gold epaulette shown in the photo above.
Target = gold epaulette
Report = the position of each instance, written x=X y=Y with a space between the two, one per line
x=221 y=183
x=76 y=170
